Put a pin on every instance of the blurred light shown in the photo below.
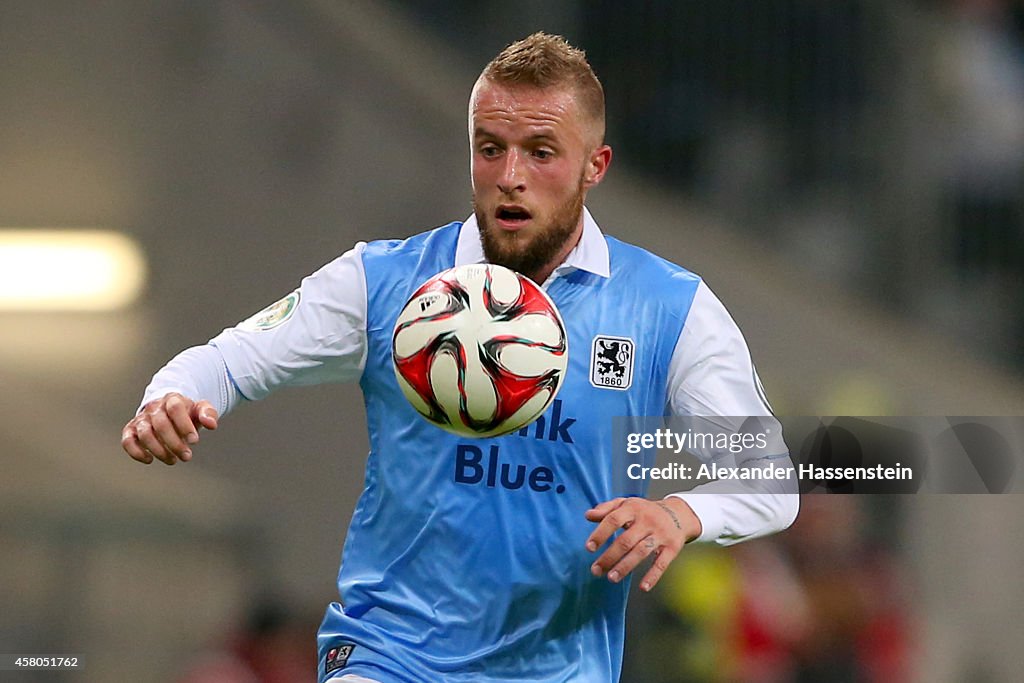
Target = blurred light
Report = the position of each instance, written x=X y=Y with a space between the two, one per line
x=69 y=270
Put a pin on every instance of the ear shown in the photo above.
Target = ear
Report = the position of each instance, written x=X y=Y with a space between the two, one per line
x=597 y=165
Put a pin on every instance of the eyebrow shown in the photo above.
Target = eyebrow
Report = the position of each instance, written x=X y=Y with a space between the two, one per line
x=542 y=137
x=479 y=132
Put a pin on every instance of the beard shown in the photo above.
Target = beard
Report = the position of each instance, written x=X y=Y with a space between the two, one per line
x=529 y=254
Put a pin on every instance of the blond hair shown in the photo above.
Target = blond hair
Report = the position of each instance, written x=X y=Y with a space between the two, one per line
x=543 y=60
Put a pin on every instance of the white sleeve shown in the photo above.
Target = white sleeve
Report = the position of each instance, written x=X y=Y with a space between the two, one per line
x=711 y=374
x=314 y=335
x=198 y=373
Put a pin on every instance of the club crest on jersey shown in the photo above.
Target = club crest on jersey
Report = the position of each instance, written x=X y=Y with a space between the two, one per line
x=337 y=656
x=273 y=315
x=611 y=362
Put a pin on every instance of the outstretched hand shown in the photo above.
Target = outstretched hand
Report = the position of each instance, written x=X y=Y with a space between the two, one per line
x=166 y=428
x=650 y=527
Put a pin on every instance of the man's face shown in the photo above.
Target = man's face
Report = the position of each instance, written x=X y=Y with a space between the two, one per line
x=533 y=160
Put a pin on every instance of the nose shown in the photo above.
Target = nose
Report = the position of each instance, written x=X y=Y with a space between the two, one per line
x=511 y=178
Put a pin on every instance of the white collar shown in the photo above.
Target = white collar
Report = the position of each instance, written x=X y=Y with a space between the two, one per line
x=589 y=254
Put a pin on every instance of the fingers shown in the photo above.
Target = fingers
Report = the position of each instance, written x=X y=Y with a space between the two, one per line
x=166 y=428
x=179 y=412
x=657 y=570
x=203 y=413
x=131 y=445
x=166 y=435
x=597 y=513
x=613 y=519
x=145 y=434
x=644 y=530
x=623 y=554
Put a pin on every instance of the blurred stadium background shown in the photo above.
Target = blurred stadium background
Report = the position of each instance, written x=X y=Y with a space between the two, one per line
x=846 y=175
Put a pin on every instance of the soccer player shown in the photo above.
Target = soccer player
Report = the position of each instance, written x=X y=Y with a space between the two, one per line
x=448 y=575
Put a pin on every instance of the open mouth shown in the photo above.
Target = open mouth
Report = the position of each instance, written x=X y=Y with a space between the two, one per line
x=512 y=216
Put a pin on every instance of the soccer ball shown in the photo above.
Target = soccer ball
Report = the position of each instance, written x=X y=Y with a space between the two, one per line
x=480 y=350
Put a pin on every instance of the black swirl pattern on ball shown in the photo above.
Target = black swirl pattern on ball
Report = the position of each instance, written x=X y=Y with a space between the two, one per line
x=415 y=368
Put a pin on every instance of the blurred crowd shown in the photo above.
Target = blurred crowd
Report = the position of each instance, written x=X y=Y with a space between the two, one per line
x=273 y=644
x=825 y=602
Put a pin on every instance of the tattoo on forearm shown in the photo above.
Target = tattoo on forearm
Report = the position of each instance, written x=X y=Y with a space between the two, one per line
x=671 y=514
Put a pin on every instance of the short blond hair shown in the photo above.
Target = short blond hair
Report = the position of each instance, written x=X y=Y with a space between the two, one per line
x=543 y=60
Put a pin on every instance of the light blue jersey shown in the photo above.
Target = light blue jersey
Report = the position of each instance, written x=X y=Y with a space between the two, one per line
x=465 y=558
